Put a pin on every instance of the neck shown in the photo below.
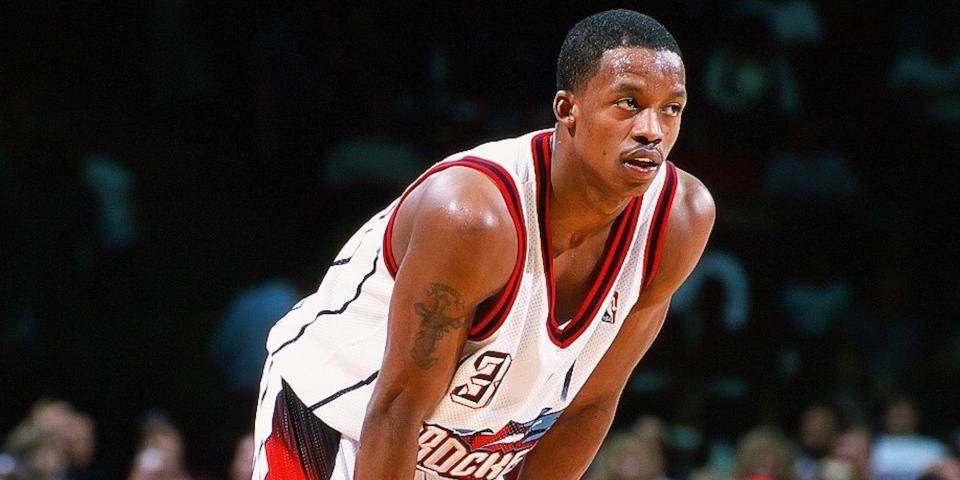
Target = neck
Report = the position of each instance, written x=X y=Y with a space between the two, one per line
x=579 y=209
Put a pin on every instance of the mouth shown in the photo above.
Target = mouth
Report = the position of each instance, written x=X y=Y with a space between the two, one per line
x=644 y=162
x=641 y=163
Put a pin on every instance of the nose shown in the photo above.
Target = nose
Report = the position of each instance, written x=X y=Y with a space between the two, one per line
x=647 y=128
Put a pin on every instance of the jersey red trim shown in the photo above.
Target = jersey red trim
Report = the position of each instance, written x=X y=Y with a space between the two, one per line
x=618 y=245
x=658 y=227
x=484 y=327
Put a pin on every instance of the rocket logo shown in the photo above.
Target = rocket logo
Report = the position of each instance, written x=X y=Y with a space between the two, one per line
x=466 y=455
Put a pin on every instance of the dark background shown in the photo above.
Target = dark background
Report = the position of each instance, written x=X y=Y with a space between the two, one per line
x=224 y=116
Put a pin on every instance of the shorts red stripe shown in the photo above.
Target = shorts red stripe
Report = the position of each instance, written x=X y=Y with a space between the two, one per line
x=283 y=463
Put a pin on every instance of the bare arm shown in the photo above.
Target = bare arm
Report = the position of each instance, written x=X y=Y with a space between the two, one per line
x=443 y=232
x=568 y=448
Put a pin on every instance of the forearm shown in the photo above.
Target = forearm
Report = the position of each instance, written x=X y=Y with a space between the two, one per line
x=566 y=451
x=388 y=447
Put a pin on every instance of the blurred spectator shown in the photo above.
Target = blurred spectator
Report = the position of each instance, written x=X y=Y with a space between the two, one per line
x=933 y=81
x=75 y=434
x=853 y=447
x=241 y=468
x=948 y=469
x=792 y=21
x=239 y=339
x=52 y=414
x=884 y=326
x=812 y=307
x=765 y=453
x=112 y=184
x=80 y=447
x=35 y=453
x=382 y=162
x=688 y=443
x=834 y=469
x=707 y=474
x=818 y=430
x=728 y=270
x=901 y=453
x=161 y=451
x=155 y=464
x=652 y=429
x=925 y=74
x=625 y=456
x=748 y=74
x=808 y=168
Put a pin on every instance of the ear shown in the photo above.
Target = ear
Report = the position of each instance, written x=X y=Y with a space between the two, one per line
x=565 y=109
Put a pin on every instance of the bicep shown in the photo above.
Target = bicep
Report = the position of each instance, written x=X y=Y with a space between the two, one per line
x=443 y=276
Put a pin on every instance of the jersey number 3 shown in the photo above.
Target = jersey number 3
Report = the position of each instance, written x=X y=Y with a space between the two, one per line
x=476 y=393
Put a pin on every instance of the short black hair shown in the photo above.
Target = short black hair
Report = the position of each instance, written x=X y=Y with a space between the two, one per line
x=580 y=54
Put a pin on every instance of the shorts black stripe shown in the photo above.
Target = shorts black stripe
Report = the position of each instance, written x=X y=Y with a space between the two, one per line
x=303 y=434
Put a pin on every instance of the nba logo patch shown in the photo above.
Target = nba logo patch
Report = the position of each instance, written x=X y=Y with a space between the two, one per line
x=610 y=316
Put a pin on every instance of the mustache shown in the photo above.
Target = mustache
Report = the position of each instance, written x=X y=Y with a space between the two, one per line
x=650 y=151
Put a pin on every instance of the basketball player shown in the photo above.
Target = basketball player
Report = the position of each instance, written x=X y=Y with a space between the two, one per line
x=486 y=322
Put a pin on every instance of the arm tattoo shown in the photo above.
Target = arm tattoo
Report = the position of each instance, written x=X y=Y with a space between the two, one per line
x=439 y=314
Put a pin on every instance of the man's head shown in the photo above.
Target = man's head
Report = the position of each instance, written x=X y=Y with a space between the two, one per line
x=622 y=88
x=586 y=42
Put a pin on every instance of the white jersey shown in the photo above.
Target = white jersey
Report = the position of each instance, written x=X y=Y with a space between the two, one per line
x=521 y=366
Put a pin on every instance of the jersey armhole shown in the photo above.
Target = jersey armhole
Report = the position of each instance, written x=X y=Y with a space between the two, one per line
x=484 y=327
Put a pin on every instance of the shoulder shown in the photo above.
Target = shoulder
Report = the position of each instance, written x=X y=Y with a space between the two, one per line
x=463 y=198
x=693 y=210
x=692 y=215
x=457 y=217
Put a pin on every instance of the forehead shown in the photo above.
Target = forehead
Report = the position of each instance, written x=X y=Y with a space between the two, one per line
x=660 y=67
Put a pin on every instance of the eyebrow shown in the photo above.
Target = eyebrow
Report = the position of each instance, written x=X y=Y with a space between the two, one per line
x=628 y=86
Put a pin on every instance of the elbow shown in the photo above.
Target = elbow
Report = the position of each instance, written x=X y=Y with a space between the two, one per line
x=399 y=407
x=599 y=408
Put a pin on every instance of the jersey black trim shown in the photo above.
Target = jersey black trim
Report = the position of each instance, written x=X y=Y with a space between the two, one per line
x=619 y=240
x=566 y=382
x=344 y=391
x=623 y=232
x=344 y=261
x=338 y=311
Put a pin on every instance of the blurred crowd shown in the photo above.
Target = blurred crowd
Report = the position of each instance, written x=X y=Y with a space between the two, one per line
x=175 y=175
x=827 y=443
x=58 y=442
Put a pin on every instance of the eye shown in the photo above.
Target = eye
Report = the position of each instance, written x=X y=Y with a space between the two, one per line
x=673 y=109
x=627 y=104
